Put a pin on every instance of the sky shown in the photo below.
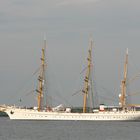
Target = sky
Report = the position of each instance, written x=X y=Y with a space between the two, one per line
x=68 y=24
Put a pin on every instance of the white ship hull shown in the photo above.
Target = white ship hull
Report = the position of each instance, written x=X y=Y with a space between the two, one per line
x=30 y=114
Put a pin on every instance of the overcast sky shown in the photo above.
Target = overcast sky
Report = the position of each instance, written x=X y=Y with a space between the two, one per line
x=114 y=25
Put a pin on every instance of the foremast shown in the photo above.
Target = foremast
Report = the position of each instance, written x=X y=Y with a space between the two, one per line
x=87 y=78
x=124 y=84
x=41 y=79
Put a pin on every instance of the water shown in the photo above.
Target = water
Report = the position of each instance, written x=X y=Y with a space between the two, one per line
x=68 y=130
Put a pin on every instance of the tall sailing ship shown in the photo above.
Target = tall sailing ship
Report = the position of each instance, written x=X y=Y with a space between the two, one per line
x=123 y=112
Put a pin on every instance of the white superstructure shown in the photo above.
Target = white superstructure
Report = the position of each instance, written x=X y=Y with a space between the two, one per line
x=30 y=114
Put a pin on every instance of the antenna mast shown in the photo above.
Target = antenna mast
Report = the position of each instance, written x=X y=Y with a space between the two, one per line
x=41 y=79
x=87 y=78
x=123 y=84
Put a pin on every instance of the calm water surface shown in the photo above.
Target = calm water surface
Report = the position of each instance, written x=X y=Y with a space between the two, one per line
x=68 y=130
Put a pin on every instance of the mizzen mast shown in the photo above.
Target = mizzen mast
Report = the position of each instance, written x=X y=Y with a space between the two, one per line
x=124 y=84
x=41 y=79
x=87 y=78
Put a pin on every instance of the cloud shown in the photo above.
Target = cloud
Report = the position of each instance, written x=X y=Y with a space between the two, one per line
x=27 y=8
x=76 y=2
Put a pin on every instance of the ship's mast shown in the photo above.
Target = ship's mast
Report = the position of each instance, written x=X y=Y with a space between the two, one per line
x=124 y=83
x=87 y=78
x=41 y=79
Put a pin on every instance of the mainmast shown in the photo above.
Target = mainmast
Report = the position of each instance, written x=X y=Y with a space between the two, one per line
x=124 y=84
x=41 y=79
x=87 y=78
